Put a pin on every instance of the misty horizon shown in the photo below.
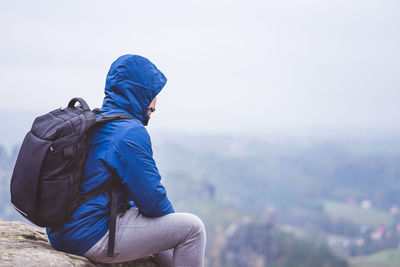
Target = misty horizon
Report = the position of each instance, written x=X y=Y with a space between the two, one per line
x=241 y=67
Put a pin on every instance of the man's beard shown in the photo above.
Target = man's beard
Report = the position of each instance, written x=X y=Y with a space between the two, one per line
x=146 y=119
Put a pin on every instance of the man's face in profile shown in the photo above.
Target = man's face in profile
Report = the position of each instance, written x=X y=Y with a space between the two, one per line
x=152 y=106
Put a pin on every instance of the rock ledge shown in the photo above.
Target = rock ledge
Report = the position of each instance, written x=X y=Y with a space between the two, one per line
x=24 y=245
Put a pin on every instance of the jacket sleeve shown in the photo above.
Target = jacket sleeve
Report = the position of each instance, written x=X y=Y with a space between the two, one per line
x=139 y=175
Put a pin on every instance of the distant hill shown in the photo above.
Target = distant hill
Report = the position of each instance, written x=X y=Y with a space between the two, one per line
x=317 y=186
x=385 y=258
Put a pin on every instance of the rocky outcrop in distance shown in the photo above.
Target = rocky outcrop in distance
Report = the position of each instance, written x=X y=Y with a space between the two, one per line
x=24 y=245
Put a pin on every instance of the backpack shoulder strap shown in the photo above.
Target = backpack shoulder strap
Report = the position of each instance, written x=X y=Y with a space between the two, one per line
x=101 y=119
x=110 y=117
x=85 y=197
x=113 y=210
x=113 y=223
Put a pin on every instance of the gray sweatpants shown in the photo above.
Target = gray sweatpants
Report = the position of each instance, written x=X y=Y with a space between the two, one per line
x=176 y=239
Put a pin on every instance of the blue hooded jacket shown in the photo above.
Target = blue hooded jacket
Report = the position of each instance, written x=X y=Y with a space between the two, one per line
x=119 y=149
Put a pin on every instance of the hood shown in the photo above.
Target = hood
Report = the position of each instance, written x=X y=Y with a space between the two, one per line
x=131 y=84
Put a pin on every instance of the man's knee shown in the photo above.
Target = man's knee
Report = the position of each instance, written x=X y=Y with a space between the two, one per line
x=196 y=224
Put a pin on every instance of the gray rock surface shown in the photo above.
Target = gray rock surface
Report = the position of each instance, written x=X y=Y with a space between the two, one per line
x=24 y=245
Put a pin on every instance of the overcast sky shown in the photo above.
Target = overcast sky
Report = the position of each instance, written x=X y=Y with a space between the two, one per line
x=252 y=67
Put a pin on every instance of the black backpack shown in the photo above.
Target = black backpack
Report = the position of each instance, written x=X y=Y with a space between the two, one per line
x=46 y=179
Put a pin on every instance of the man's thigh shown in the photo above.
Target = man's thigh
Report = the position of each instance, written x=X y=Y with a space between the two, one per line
x=139 y=236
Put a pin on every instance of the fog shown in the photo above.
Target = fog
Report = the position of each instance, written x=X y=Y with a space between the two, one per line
x=236 y=67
